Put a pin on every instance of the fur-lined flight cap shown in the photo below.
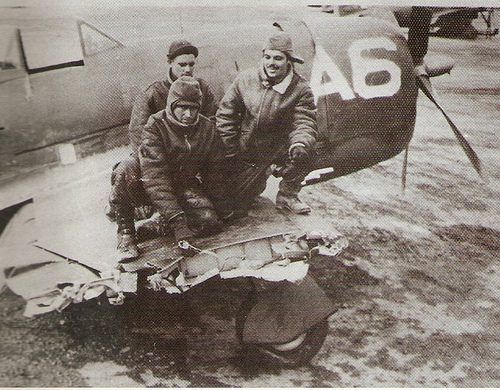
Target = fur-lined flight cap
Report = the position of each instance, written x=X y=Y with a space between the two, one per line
x=283 y=42
x=185 y=90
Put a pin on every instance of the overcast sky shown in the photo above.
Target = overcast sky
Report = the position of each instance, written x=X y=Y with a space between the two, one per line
x=76 y=4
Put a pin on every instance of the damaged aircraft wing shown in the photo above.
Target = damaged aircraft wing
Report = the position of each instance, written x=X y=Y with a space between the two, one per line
x=60 y=249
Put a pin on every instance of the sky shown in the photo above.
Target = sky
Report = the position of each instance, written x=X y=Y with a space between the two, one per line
x=76 y=4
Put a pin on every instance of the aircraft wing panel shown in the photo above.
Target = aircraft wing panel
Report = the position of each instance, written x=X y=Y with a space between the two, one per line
x=18 y=250
x=37 y=282
x=71 y=222
x=34 y=273
x=263 y=221
x=158 y=252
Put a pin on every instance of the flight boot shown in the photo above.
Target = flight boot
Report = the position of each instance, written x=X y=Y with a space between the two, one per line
x=291 y=203
x=127 y=247
x=287 y=197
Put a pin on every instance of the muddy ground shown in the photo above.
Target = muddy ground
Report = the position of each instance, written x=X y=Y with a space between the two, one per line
x=418 y=289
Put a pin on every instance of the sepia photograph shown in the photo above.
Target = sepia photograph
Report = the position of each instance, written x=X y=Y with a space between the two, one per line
x=284 y=194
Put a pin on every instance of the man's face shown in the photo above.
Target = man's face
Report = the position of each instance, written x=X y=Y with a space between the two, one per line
x=186 y=114
x=275 y=63
x=183 y=65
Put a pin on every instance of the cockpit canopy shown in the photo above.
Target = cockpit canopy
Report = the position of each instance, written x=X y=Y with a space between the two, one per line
x=35 y=49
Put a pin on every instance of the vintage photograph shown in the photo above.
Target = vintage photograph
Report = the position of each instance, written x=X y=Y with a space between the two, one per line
x=270 y=194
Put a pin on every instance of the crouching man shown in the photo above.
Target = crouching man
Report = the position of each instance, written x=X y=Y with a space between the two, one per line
x=180 y=157
x=268 y=116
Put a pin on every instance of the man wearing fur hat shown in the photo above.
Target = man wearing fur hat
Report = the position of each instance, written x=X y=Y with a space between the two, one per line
x=182 y=57
x=179 y=146
x=268 y=116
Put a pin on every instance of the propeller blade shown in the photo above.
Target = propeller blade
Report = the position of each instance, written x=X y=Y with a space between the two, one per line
x=425 y=86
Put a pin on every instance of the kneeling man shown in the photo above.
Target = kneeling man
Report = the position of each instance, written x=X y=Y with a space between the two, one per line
x=180 y=156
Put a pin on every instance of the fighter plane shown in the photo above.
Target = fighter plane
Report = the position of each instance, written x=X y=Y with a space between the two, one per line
x=455 y=22
x=451 y=22
x=67 y=86
x=62 y=101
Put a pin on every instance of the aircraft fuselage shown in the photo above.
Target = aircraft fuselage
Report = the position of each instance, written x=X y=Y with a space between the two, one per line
x=359 y=69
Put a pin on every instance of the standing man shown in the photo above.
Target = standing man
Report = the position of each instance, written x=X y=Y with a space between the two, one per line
x=268 y=116
x=182 y=57
x=180 y=157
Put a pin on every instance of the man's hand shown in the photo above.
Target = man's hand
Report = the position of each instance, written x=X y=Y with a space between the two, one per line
x=183 y=235
x=180 y=228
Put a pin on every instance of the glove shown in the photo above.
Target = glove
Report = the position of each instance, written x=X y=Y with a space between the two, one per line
x=299 y=154
x=143 y=212
x=180 y=228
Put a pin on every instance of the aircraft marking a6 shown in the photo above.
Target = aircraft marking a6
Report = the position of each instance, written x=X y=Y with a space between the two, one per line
x=327 y=79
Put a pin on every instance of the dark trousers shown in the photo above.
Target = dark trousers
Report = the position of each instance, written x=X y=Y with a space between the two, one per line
x=248 y=180
x=127 y=192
